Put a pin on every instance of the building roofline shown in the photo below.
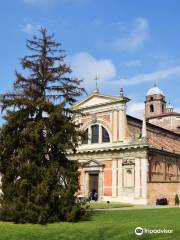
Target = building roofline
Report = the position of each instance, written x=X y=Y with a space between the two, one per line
x=164 y=115
x=154 y=126
x=160 y=151
x=112 y=99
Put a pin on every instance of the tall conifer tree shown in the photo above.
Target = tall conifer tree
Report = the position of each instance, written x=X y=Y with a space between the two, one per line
x=39 y=182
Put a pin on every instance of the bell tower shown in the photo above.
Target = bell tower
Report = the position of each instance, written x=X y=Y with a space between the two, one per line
x=155 y=103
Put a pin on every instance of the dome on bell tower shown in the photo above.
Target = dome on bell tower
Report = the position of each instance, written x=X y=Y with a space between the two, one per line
x=154 y=91
x=155 y=103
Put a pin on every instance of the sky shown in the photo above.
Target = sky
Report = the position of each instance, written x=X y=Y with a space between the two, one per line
x=130 y=44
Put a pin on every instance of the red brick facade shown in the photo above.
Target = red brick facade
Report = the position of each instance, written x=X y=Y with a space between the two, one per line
x=163 y=158
x=161 y=190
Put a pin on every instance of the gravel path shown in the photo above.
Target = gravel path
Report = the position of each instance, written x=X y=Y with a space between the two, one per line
x=136 y=207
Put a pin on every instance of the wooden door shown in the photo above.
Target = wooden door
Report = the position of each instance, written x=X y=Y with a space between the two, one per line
x=93 y=182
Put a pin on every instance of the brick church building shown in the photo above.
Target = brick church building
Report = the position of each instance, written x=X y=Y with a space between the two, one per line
x=123 y=158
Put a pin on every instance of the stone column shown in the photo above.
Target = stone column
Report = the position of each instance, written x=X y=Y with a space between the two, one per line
x=111 y=122
x=100 y=185
x=137 y=178
x=144 y=174
x=144 y=128
x=115 y=125
x=120 y=169
x=83 y=183
x=86 y=184
x=114 y=177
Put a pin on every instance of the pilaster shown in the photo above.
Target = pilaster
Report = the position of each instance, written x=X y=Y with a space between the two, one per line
x=86 y=184
x=122 y=123
x=114 y=177
x=115 y=125
x=120 y=169
x=137 y=178
x=100 y=185
x=144 y=170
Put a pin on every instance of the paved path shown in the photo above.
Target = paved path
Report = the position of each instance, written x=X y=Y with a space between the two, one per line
x=136 y=207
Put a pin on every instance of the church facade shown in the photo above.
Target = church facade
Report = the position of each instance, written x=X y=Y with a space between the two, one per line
x=125 y=159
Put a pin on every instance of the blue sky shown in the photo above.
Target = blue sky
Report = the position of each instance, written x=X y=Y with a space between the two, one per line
x=129 y=44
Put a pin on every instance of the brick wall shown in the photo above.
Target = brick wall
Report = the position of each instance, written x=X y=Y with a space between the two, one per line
x=158 y=138
x=108 y=178
x=163 y=167
x=159 y=190
x=133 y=127
x=163 y=140
x=170 y=121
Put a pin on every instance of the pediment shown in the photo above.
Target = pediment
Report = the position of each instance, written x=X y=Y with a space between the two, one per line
x=95 y=99
x=93 y=163
x=128 y=162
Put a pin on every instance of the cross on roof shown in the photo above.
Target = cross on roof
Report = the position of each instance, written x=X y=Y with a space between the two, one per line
x=97 y=88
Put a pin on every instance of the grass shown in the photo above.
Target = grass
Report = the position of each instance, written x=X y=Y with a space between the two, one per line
x=105 y=225
x=104 y=205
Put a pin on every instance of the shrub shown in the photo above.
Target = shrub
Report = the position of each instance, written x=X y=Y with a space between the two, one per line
x=176 y=199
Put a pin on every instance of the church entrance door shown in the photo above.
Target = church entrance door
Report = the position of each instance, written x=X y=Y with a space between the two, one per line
x=93 y=182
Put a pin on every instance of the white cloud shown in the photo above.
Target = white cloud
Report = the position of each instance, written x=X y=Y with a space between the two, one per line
x=133 y=63
x=29 y=28
x=153 y=76
x=136 y=37
x=87 y=67
x=120 y=26
x=136 y=109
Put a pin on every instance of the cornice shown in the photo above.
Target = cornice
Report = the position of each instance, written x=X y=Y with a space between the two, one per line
x=110 y=147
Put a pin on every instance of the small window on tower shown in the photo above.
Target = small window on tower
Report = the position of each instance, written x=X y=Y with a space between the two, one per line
x=152 y=98
x=151 y=108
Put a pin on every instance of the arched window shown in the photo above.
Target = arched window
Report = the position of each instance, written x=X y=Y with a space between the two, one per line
x=85 y=137
x=151 y=108
x=105 y=135
x=95 y=134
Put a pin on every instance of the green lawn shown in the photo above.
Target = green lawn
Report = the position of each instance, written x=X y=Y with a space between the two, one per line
x=105 y=225
x=104 y=205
